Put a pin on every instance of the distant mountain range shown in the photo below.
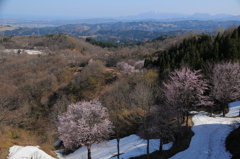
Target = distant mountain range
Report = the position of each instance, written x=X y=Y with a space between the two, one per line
x=179 y=17
x=123 y=32
x=149 y=16
x=142 y=27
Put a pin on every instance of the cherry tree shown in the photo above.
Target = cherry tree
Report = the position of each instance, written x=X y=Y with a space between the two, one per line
x=225 y=83
x=125 y=67
x=83 y=124
x=139 y=64
x=184 y=90
x=130 y=66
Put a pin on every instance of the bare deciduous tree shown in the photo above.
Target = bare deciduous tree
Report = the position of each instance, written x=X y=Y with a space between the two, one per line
x=143 y=98
x=8 y=103
x=161 y=125
x=116 y=99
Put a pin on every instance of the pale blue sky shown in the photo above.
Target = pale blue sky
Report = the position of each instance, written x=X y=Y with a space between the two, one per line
x=113 y=8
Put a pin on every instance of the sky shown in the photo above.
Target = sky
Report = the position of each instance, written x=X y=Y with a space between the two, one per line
x=114 y=8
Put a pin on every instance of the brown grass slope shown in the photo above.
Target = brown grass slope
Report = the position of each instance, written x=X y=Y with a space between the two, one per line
x=35 y=89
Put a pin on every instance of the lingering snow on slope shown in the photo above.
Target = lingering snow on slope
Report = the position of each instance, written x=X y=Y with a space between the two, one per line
x=209 y=139
x=30 y=52
x=207 y=143
x=234 y=109
x=28 y=152
x=33 y=52
x=130 y=146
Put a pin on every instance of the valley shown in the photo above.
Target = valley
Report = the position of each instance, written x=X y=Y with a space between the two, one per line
x=165 y=83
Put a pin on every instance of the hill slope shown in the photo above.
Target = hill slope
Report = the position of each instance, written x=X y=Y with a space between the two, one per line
x=120 y=31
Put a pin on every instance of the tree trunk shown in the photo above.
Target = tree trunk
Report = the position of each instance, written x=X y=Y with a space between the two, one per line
x=183 y=116
x=178 y=120
x=187 y=114
x=211 y=111
x=148 y=149
x=89 y=152
x=160 y=146
x=223 y=109
x=118 y=147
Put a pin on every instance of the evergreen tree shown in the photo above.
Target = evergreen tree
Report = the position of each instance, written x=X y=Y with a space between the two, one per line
x=195 y=51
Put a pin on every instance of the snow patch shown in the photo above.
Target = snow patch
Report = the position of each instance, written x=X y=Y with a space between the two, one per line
x=130 y=146
x=28 y=152
x=234 y=109
x=30 y=52
x=208 y=142
x=209 y=139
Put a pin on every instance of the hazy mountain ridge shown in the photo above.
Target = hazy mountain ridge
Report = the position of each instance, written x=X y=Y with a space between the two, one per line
x=142 y=27
x=86 y=29
x=148 y=16
x=179 y=17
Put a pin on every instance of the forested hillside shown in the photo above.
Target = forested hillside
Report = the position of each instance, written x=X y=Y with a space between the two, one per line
x=146 y=89
x=35 y=89
x=196 y=51
x=123 y=32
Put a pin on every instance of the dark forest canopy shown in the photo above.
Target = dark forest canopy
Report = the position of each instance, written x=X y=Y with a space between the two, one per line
x=196 y=50
x=100 y=43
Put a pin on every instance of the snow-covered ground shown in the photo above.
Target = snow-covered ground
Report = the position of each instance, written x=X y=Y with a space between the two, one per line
x=28 y=152
x=234 y=109
x=33 y=52
x=207 y=143
x=30 y=52
x=130 y=146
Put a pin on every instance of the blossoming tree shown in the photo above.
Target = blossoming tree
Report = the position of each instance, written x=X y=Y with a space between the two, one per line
x=83 y=124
